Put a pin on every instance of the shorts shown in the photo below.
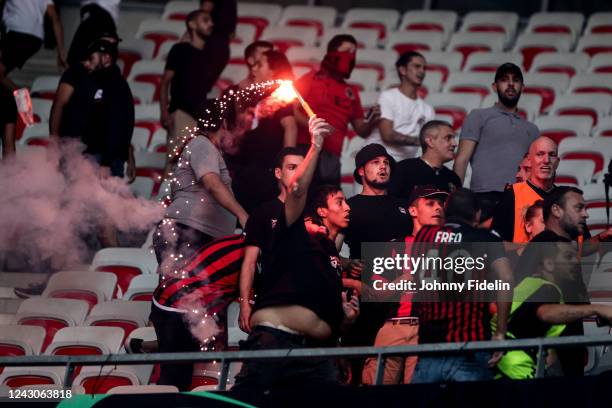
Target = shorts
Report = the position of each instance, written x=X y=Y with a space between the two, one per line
x=16 y=48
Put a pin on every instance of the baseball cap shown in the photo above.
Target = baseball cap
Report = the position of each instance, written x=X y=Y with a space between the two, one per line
x=508 y=68
x=426 y=191
x=367 y=153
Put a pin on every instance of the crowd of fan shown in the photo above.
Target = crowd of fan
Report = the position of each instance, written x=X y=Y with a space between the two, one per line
x=276 y=173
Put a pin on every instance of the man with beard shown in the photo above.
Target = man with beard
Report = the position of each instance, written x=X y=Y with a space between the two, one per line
x=494 y=140
x=438 y=143
x=335 y=101
x=565 y=216
x=375 y=217
x=402 y=110
x=187 y=79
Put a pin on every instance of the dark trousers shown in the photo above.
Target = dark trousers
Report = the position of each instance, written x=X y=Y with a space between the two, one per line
x=172 y=330
x=173 y=336
x=258 y=376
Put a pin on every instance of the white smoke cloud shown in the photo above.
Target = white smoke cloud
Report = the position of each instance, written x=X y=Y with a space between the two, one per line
x=52 y=198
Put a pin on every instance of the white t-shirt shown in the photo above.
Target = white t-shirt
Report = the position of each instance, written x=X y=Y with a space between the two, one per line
x=408 y=116
x=112 y=6
x=26 y=16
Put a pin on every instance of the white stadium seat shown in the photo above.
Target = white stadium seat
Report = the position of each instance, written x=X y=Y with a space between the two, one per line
x=560 y=62
x=92 y=287
x=420 y=41
x=21 y=340
x=560 y=127
x=593 y=105
x=579 y=172
x=558 y=23
x=601 y=63
x=178 y=10
x=86 y=340
x=443 y=61
x=141 y=287
x=143 y=92
x=599 y=23
x=124 y=314
x=469 y=82
x=603 y=128
x=378 y=60
x=591 y=83
x=491 y=21
x=457 y=105
x=382 y=21
x=365 y=38
x=164 y=50
x=310 y=57
x=548 y=86
x=42 y=108
x=44 y=86
x=432 y=20
x=594 y=44
x=140 y=139
x=531 y=44
x=365 y=79
x=469 y=42
x=286 y=37
x=258 y=16
x=320 y=17
x=489 y=61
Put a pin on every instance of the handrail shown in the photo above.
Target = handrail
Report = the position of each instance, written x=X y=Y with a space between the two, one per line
x=381 y=353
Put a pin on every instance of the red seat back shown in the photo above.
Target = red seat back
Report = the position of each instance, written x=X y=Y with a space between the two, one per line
x=90 y=297
x=547 y=94
x=124 y=274
x=596 y=157
x=579 y=112
x=128 y=58
x=259 y=23
x=126 y=325
x=372 y=25
x=101 y=385
x=23 y=380
x=529 y=53
x=159 y=39
x=304 y=22
x=425 y=27
x=50 y=325
x=151 y=78
x=457 y=114
x=596 y=49
x=402 y=48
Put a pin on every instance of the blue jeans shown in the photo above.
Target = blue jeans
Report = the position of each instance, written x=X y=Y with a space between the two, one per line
x=467 y=367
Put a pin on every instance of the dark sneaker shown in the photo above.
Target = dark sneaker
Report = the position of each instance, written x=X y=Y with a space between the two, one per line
x=35 y=289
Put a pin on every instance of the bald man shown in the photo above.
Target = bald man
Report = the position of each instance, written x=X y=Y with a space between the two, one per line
x=509 y=218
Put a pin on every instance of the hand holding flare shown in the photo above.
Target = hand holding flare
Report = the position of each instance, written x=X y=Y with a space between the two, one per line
x=286 y=92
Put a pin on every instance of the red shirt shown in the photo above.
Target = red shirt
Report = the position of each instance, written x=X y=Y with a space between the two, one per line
x=335 y=101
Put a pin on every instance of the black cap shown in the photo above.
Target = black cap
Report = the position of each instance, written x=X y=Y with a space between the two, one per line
x=508 y=68
x=367 y=153
x=426 y=191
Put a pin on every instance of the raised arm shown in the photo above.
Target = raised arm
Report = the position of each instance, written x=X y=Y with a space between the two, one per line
x=299 y=184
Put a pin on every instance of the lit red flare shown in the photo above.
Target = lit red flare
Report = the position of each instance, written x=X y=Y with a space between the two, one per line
x=286 y=92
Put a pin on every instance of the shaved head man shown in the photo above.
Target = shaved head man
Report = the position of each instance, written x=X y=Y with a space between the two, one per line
x=543 y=157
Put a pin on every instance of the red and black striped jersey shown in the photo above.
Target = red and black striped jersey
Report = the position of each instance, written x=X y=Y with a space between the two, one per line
x=453 y=316
x=210 y=277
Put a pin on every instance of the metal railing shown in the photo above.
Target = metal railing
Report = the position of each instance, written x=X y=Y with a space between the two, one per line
x=381 y=353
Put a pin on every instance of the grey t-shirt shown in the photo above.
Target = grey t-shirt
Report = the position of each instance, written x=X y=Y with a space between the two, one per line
x=502 y=140
x=192 y=204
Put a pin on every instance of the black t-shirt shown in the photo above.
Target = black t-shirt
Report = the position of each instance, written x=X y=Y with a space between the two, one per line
x=373 y=219
x=195 y=73
x=259 y=232
x=376 y=219
x=253 y=180
x=78 y=108
x=8 y=110
x=453 y=316
x=110 y=124
x=304 y=270
x=415 y=172
x=524 y=322
x=503 y=218
x=100 y=112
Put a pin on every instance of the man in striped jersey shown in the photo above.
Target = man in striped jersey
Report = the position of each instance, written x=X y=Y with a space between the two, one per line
x=453 y=316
